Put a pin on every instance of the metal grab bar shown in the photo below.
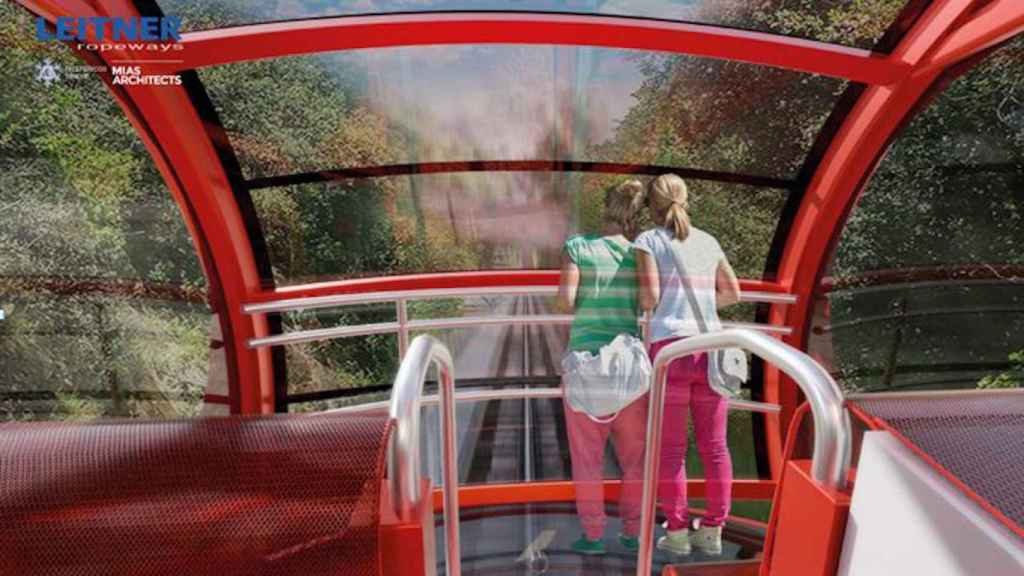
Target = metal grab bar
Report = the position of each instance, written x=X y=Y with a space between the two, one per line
x=529 y=393
x=830 y=462
x=403 y=326
x=404 y=468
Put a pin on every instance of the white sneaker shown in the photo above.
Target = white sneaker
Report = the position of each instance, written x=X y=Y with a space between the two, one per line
x=676 y=542
x=708 y=539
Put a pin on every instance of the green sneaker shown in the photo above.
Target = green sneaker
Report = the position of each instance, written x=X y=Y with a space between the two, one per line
x=588 y=547
x=631 y=543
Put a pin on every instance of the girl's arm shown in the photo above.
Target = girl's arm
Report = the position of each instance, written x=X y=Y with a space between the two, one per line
x=567 y=284
x=647 y=281
x=727 y=287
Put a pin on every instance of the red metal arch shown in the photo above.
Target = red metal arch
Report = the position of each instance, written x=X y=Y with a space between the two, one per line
x=853 y=156
x=173 y=133
x=948 y=32
x=273 y=40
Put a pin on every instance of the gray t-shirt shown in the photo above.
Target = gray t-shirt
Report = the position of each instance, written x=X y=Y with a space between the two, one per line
x=701 y=254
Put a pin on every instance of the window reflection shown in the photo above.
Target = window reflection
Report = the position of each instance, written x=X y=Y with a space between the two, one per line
x=924 y=290
x=500 y=102
x=104 y=303
x=476 y=221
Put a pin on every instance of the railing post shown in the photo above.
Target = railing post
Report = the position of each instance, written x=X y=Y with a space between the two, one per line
x=402 y=308
x=404 y=466
x=830 y=462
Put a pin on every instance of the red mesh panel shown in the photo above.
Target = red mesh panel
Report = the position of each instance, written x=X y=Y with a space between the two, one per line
x=978 y=439
x=275 y=495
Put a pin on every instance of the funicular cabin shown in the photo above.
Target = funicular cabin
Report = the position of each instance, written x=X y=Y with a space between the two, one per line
x=277 y=286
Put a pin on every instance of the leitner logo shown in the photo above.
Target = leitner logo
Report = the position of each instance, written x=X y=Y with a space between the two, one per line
x=121 y=29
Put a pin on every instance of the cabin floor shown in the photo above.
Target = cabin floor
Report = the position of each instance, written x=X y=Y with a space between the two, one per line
x=536 y=539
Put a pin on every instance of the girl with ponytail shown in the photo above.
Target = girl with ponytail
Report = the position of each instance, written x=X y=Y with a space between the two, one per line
x=714 y=285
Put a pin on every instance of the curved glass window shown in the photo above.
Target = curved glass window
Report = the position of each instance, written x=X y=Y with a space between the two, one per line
x=476 y=221
x=426 y=104
x=861 y=24
x=924 y=290
x=102 y=301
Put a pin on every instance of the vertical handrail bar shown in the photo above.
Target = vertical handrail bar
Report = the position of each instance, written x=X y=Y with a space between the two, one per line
x=404 y=466
x=830 y=461
x=402 y=310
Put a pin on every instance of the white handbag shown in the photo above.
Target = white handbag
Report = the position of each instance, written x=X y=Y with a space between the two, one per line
x=601 y=385
x=727 y=367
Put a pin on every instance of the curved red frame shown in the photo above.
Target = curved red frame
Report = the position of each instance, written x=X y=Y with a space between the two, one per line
x=274 y=40
x=947 y=33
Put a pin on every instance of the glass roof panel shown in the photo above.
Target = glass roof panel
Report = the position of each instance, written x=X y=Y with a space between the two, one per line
x=499 y=102
x=477 y=221
x=860 y=23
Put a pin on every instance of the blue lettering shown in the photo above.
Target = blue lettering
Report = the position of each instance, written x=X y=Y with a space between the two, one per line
x=64 y=28
x=170 y=27
x=100 y=24
x=105 y=28
x=41 y=32
x=150 y=28
x=125 y=29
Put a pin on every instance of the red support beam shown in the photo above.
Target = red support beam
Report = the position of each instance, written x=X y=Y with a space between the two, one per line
x=274 y=40
x=841 y=176
x=996 y=22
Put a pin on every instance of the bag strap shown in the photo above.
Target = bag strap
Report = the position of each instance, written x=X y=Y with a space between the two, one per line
x=676 y=247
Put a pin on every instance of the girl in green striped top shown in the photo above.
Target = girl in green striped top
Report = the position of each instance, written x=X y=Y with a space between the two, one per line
x=599 y=284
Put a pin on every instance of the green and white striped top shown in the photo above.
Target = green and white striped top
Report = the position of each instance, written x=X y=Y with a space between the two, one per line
x=606 y=299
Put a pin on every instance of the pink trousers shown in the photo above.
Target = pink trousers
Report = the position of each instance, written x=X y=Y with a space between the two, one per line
x=688 y=391
x=587 y=440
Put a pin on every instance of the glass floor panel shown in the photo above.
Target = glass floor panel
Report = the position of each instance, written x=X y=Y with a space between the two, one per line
x=536 y=539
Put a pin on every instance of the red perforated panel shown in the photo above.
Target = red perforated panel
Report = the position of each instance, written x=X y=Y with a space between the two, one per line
x=275 y=495
x=978 y=439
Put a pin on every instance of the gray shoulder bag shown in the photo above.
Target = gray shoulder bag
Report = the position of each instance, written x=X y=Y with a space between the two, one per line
x=727 y=368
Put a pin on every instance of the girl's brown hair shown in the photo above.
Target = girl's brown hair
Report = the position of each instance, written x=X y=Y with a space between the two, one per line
x=622 y=206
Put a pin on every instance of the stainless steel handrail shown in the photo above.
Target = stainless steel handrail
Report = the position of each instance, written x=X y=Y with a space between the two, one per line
x=333 y=300
x=404 y=326
x=830 y=461
x=404 y=468
x=528 y=393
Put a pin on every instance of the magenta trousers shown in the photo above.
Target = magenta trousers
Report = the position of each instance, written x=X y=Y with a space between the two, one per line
x=688 y=391
x=587 y=440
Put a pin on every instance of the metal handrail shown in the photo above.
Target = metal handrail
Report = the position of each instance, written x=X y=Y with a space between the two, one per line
x=333 y=300
x=404 y=469
x=404 y=326
x=830 y=461
x=529 y=394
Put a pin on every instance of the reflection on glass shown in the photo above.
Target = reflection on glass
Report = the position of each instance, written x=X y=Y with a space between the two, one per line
x=500 y=102
x=476 y=221
x=825 y=20
x=497 y=446
x=346 y=366
x=924 y=290
x=104 y=303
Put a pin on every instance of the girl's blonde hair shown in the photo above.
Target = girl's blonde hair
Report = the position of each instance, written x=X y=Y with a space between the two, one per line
x=668 y=197
x=622 y=206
